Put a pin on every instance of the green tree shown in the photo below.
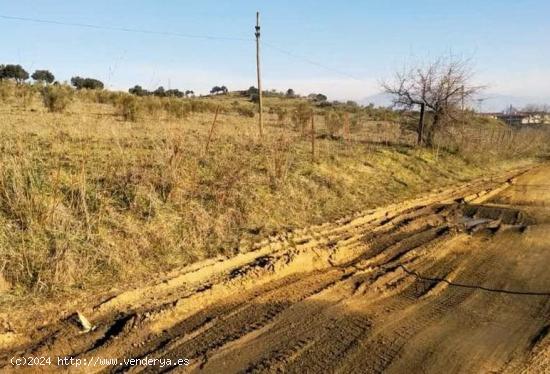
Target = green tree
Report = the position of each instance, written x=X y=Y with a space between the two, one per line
x=320 y=98
x=160 y=92
x=89 y=83
x=138 y=91
x=175 y=93
x=252 y=91
x=15 y=72
x=217 y=89
x=44 y=76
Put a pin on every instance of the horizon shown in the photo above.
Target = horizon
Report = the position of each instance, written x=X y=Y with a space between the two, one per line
x=308 y=55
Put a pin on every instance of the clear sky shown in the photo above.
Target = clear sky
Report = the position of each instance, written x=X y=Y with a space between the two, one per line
x=361 y=42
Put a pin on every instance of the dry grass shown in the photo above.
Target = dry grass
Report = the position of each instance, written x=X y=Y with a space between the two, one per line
x=108 y=192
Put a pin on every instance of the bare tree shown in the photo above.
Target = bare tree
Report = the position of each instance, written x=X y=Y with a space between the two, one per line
x=441 y=88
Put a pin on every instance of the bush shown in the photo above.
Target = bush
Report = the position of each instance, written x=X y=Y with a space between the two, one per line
x=56 y=98
x=334 y=122
x=301 y=117
x=152 y=105
x=201 y=106
x=128 y=107
x=106 y=97
x=245 y=111
x=25 y=94
x=6 y=90
x=177 y=108
x=282 y=113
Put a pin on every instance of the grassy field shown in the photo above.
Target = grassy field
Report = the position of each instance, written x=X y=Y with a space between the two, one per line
x=95 y=196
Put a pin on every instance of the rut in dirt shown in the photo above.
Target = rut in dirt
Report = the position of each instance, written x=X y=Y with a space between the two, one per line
x=395 y=292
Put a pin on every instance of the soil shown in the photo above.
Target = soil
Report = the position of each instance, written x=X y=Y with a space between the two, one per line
x=457 y=281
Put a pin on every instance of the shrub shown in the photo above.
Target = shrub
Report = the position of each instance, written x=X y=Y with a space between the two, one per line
x=201 y=106
x=25 y=94
x=152 y=105
x=245 y=111
x=176 y=108
x=282 y=114
x=334 y=122
x=128 y=107
x=106 y=97
x=56 y=98
x=279 y=157
x=301 y=116
x=6 y=90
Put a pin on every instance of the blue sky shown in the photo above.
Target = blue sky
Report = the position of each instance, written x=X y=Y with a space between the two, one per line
x=367 y=40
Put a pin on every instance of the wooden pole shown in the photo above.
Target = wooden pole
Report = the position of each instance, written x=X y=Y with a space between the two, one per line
x=211 y=130
x=258 y=71
x=313 y=136
x=421 y=123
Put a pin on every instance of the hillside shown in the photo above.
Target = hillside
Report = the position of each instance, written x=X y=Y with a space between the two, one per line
x=92 y=196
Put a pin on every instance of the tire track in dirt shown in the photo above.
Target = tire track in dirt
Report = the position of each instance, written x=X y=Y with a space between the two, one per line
x=297 y=287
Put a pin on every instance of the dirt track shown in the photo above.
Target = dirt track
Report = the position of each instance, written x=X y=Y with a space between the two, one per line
x=458 y=281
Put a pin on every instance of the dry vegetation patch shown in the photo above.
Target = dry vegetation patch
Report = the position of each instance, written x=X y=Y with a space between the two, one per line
x=117 y=188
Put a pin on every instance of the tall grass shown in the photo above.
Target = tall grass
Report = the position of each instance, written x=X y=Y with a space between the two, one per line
x=87 y=200
x=128 y=107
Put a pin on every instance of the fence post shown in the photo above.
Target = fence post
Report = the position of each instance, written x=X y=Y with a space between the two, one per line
x=346 y=126
x=421 y=124
x=312 y=136
x=211 y=130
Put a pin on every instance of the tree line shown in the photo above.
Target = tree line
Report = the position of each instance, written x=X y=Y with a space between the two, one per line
x=160 y=92
x=20 y=75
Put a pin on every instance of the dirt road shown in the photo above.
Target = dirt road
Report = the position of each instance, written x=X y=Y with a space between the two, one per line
x=457 y=281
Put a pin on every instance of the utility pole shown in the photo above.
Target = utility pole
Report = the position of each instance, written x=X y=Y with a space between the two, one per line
x=260 y=104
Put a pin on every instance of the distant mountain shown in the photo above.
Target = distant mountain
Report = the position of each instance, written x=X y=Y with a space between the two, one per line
x=489 y=102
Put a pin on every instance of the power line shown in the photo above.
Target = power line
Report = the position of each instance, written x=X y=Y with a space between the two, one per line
x=181 y=35
x=124 y=29
x=311 y=62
